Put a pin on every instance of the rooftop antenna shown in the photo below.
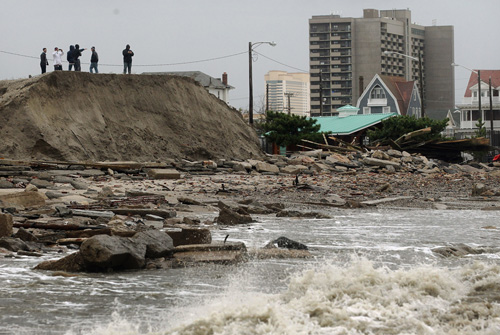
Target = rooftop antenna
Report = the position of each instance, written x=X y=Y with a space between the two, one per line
x=434 y=22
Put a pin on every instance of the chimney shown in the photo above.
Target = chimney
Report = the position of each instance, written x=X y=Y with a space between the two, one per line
x=224 y=78
x=361 y=85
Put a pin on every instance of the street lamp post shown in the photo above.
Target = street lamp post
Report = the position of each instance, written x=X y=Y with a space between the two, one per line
x=478 y=72
x=420 y=77
x=250 y=79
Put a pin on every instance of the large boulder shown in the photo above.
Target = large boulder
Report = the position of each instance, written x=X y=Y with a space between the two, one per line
x=103 y=252
x=158 y=244
x=285 y=242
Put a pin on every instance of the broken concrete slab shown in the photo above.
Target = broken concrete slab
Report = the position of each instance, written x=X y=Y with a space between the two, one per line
x=266 y=167
x=379 y=162
x=384 y=200
x=219 y=253
x=164 y=174
x=22 y=199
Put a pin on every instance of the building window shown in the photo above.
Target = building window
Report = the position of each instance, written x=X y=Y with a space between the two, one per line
x=386 y=110
x=366 y=110
x=377 y=93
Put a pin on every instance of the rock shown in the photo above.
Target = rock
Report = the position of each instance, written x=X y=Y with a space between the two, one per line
x=189 y=201
x=266 y=167
x=479 y=189
x=314 y=215
x=395 y=153
x=468 y=169
x=54 y=194
x=301 y=160
x=79 y=185
x=71 y=263
x=6 y=184
x=293 y=169
x=6 y=224
x=458 y=250
x=31 y=188
x=284 y=242
x=378 y=154
x=230 y=217
x=495 y=173
x=190 y=235
x=63 y=179
x=338 y=158
x=380 y=162
x=22 y=199
x=319 y=167
x=158 y=243
x=25 y=235
x=164 y=174
x=40 y=183
x=106 y=192
x=15 y=244
x=103 y=252
x=385 y=188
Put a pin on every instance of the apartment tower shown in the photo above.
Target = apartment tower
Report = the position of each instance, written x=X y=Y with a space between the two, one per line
x=345 y=53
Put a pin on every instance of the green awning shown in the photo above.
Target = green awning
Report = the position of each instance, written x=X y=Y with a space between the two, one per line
x=350 y=124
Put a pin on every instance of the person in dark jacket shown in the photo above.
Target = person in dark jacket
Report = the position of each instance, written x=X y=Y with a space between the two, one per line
x=76 y=54
x=94 y=58
x=127 y=59
x=43 y=60
x=70 y=57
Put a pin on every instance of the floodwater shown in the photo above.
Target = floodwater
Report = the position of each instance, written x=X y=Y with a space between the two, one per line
x=373 y=272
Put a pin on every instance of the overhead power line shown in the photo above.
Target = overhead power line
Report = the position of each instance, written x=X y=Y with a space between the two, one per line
x=166 y=64
x=292 y=67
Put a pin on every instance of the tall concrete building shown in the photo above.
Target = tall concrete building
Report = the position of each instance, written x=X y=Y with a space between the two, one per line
x=345 y=53
x=288 y=92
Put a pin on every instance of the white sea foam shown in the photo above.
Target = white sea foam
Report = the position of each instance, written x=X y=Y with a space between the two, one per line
x=353 y=298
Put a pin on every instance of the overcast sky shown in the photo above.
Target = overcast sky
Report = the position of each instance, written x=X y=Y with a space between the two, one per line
x=170 y=32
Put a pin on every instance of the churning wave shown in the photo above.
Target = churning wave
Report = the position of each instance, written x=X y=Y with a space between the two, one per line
x=355 y=298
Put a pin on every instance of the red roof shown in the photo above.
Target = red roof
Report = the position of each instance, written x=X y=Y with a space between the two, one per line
x=485 y=76
x=401 y=89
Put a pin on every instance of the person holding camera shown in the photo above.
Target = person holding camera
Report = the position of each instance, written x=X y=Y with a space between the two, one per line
x=57 y=56
x=127 y=59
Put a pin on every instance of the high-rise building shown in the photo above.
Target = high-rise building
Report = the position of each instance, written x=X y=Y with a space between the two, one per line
x=288 y=92
x=345 y=53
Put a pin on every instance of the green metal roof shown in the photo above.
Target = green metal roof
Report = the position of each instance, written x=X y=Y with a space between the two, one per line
x=349 y=124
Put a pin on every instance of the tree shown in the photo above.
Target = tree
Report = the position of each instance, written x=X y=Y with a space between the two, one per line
x=284 y=129
x=481 y=130
x=397 y=126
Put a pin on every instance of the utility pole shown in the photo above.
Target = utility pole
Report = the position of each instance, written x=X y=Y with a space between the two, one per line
x=491 y=114
x=479 y=88
x=421 y=84
x=250 y=84
x=320 y=94
x=289 y=94
x=267 y=97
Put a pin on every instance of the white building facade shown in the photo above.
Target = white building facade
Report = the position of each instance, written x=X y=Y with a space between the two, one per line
x=469 y=109
x=288 y=92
